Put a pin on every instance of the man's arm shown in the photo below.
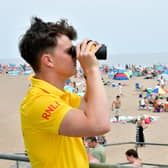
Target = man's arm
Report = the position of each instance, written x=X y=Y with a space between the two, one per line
x=83 y=103
x=94 y=119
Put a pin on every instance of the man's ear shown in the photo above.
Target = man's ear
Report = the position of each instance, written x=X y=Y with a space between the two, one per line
x=47 y=60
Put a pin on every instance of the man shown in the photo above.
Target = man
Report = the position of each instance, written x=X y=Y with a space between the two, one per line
x=54 y=120
x=116 y=105
x=97 y=150
x=162 y=82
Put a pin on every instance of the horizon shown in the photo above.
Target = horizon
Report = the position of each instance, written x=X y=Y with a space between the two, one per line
x=115 y=59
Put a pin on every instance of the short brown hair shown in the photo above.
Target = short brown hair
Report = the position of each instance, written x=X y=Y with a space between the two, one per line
x=41 y=38
x=132 y=152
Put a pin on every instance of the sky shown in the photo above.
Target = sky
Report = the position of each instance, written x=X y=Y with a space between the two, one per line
x=132 y=30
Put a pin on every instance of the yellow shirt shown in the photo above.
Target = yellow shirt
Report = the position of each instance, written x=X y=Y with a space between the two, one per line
x=42 y=112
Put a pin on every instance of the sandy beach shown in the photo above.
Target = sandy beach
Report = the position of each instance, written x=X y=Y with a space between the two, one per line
x=13 y=89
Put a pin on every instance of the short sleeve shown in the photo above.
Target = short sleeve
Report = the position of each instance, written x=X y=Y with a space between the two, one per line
x=75 y=100
x=47 y=113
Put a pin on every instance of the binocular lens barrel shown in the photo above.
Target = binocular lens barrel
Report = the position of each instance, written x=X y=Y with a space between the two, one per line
x=101 y=54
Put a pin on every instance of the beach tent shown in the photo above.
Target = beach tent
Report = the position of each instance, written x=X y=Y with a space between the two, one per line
x=136 y=73
x=165 y=71
x=159 y=91
x=121 y=76
x=13 y=73
x=160 y=68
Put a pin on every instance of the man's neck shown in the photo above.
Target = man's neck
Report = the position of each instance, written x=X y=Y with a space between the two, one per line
x=56 y=81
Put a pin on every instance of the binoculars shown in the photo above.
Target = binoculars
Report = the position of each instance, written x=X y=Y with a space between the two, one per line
x=101 y=53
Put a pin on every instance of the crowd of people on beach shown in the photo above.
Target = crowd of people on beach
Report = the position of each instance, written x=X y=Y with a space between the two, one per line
x=15 y=69
x=156 y=102
x=148 y=101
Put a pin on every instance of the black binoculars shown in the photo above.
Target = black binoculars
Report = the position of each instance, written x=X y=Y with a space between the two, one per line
x=101 y=53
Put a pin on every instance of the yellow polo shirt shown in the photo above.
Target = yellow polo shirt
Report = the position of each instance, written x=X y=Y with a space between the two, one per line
x=42 y=112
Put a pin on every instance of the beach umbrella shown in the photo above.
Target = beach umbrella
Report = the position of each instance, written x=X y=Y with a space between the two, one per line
x=121 y=76
x=4 y=66
x=158 y=91
x=160 y=69
x=127 y=74
x=165 y=71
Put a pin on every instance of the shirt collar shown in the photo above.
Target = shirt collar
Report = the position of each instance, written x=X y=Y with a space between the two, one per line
x=46 y=87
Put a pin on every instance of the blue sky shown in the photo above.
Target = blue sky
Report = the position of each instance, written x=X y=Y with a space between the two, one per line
x=125 y=26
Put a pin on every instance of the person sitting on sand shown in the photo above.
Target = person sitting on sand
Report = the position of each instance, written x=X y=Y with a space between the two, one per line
x=166 y=105
x=158 y=107
x=143 y=102
x=150 y=99
x=133 y=158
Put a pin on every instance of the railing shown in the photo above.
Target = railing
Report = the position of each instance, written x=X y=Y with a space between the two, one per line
x=135 y=143
x=16 y=157
x=19 y=158
x=22 y=157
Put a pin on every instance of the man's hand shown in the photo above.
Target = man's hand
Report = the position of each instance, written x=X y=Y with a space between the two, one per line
x=86 y=55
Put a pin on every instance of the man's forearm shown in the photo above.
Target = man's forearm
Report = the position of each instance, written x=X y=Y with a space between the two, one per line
x=97 y=106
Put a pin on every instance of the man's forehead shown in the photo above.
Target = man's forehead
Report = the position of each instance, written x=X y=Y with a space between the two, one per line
x=63 y=42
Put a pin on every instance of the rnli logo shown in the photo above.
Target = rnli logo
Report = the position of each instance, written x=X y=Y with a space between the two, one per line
x=50 y=109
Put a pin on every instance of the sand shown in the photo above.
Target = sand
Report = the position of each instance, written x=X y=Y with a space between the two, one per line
x=13 y=89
